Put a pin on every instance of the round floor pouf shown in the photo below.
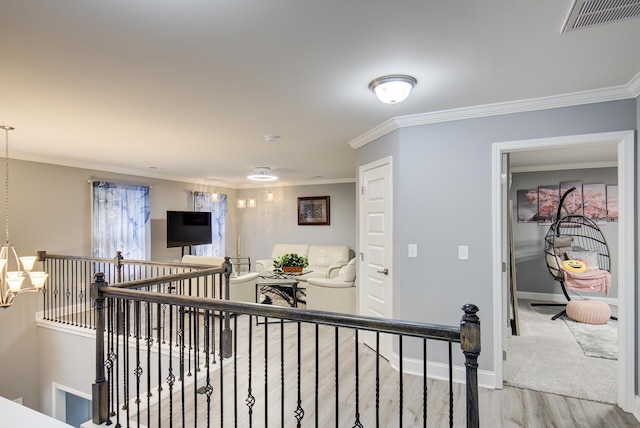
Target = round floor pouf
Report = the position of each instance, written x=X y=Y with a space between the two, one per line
x=589 y=311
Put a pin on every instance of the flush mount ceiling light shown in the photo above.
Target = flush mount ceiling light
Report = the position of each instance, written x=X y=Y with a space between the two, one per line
x=393 y=88
x=262 y=173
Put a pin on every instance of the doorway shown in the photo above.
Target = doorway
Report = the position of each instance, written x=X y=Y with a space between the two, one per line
x=626 y=248
x=376 y=249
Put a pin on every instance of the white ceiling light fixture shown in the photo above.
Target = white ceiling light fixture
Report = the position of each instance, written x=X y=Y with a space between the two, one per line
x=393 y=88
x=262 y=173
x=11 y=280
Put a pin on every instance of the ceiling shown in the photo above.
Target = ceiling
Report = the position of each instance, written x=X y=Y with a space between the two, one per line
x=189 y=89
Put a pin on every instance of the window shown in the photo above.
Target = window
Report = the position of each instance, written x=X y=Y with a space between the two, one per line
x=120 y=220
x=217 y=204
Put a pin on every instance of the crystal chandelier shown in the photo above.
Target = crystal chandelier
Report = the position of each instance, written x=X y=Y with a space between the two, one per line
x=14 y=269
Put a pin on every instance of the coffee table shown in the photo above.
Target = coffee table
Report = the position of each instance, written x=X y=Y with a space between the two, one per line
x=283 y=284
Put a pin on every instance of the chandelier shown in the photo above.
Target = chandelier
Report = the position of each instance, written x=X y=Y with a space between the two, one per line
x=14 y=269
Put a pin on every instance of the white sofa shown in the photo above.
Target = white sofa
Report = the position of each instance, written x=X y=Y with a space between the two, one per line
x=334 y=294
x=324 y=260
x=242 y=288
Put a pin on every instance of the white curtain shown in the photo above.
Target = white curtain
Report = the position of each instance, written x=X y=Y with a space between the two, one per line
x=120 y=220
x=203 y=201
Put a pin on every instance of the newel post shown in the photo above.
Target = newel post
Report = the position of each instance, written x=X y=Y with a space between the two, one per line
x=470 y=344
x=100 y=388
x=227 y=338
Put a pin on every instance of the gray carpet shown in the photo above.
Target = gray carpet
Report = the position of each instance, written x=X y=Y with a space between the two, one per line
x=547 y=357
x=599 y=341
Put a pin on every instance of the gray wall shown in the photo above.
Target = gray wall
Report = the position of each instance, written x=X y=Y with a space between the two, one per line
x=276 y=221
x=442 y=193
x=531 y=268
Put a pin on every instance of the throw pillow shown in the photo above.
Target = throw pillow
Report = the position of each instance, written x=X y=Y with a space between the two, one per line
x=590 y=258
x=347 y=272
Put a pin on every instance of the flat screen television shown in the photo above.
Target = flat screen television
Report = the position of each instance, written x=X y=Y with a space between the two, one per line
x=188 y=228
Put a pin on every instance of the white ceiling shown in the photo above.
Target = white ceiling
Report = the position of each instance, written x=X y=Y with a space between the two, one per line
x=188 y=89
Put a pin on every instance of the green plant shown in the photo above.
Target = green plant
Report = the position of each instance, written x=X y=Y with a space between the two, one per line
x=290 y=259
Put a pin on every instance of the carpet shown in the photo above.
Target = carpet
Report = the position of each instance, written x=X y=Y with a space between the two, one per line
x=599 y=341
x=546 y=357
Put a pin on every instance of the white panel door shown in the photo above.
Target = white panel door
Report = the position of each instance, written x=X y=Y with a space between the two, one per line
x=376 y=279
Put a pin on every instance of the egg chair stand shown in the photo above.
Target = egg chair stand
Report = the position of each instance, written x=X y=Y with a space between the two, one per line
x=572 y=232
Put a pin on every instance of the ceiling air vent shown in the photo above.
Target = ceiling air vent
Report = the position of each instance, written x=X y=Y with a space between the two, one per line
x=587 y=13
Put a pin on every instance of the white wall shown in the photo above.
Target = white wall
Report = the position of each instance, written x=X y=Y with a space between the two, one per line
x=277 y=221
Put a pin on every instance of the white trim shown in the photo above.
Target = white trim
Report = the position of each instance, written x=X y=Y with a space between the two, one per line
x=563 y=166
x=636 y=413
x=559 y=298
x=613 y=93
x=440 y=371
x=626 y=249
x=58 y=400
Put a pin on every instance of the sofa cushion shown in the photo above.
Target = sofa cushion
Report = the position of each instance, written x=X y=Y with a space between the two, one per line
x=327 y=255
x=330 y=283
x=348 y=271
x=280 y=249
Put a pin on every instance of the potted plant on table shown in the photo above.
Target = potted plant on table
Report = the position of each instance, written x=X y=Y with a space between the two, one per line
x=290 y=263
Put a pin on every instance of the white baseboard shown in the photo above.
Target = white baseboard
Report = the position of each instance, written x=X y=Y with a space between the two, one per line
x=559 y=298
x=636 y=412
x=440 y=371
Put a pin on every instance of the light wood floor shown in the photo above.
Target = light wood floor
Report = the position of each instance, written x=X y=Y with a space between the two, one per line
x=510 y=407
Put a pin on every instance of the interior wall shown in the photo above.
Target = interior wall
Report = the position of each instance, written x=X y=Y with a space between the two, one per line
x=444 y=174
x=50 y=209
x=532 y=274
x=277 y=222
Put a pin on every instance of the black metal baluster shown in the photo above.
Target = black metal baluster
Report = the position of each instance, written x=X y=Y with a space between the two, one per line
x=182 y=380
x=299 y=413
x=235 y=371
x=424 y=383
x=357 y=423
x=400 y=381
x=282 y=371
x=337 y=376
x=138 y=369
x=149 y=340
x=377 y=379
x=118 y=334
x=159 y=315
x=221 y=373
x=251 y=400
x=196 y=346
x=208 y=388
x=266 y=372
x=317 y=377
x=125 y=352
x=450 y=386
x=171 y=378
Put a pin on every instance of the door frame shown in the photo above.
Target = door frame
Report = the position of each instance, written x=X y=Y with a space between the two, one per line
x=626 y=249
x=361 y=269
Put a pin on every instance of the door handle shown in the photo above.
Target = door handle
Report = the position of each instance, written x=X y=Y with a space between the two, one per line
x=384 y=271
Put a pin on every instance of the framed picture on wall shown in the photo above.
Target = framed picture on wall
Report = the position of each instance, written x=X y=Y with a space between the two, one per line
x=314 y=211
x=548 y=200
x=595 y=202
x=612 y=203
x=528 y=206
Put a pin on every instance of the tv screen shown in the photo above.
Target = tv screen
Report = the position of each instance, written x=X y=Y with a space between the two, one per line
x=188 y=228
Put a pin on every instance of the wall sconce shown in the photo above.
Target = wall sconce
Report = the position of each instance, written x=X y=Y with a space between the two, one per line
x=251 y=203
x=242 y=204
x=270 y=197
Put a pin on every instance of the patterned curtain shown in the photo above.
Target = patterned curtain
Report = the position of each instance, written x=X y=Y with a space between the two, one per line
x=218 y=206
x=120 y=220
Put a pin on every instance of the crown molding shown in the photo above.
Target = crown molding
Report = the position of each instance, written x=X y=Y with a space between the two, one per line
x=614 y=93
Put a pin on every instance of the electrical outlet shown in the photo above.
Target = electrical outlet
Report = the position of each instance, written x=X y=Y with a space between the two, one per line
x=463 y=252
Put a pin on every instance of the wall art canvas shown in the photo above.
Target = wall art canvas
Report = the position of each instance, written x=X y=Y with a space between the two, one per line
x=573 y=202
x=548 y=198
x=595 y=202
x=612 y=203
x=528 y=206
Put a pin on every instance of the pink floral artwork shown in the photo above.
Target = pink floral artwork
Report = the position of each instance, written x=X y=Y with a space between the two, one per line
x=528 y=206
x=612 y=203
x=548 y=199
x=594 y=198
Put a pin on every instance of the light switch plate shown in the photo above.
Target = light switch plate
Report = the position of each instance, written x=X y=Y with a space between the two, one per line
x=463 y=252
x=413 y=250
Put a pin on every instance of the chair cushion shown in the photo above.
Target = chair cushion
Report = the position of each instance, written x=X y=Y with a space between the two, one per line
x=348 y=271
x=327 y=255
x=202 y=260
x=589 y=311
